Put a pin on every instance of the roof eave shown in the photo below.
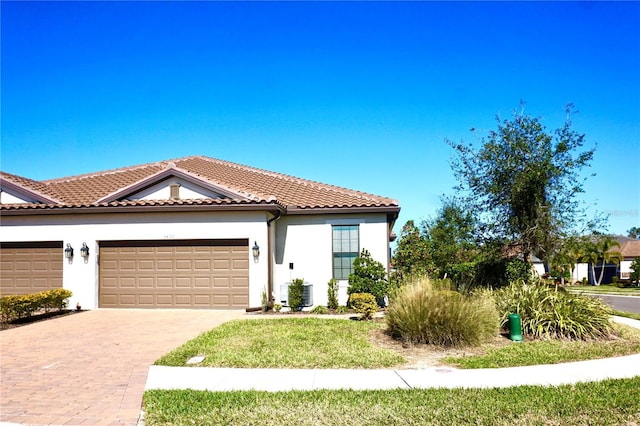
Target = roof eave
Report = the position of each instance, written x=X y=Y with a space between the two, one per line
x=22 y=190
x=295 y=210
x=60 y=210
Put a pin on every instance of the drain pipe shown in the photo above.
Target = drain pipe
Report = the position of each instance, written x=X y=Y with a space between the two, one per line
x=269 y=273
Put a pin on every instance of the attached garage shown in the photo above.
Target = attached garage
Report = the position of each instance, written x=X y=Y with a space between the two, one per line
x=30 y=267
x=174 y=274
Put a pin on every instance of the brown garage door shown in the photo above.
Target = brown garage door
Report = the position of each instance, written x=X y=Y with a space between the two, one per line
x=174 y=274
x=30 y=267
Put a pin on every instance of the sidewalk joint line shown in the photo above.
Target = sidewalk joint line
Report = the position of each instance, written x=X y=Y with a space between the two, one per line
x=402 y=378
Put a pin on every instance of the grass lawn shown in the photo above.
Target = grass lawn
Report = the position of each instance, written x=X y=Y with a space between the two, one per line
x=604 y=289
x=611 y=402
x=631 y=315
x=551 y=351
x=340 y=343
x=287 y=343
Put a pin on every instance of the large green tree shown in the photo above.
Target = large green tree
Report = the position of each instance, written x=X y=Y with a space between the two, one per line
x=522 y=182
x=412 y=255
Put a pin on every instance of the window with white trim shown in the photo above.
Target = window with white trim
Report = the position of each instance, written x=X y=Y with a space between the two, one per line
x=346 y=247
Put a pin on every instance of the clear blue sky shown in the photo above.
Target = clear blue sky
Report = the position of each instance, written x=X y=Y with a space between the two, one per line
x=356 y=94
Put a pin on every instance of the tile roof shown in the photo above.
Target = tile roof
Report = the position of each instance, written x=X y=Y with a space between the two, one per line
x=629 y=247
x=252 y=186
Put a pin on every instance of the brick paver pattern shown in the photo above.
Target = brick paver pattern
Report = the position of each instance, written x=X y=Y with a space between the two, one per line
x=90 y=368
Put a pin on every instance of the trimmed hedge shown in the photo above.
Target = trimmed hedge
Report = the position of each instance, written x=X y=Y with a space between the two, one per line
x=17 y=306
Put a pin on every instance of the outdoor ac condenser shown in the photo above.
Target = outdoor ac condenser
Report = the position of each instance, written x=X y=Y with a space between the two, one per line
x=307 y=294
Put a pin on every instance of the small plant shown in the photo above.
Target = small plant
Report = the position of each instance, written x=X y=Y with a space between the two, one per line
x=264 y=300
x=364 y=304
x=24 y=305
x=321 y=310
x=369 y=276
x=342 y=310
x=635 y=271
x=277 y=307
x=422 y=313
x=295 y=294
x=332 y=293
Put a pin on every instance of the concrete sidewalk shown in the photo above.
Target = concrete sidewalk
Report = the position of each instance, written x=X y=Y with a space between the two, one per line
x=274 y=380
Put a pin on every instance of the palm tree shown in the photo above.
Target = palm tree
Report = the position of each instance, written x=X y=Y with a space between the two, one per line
x=601 y=250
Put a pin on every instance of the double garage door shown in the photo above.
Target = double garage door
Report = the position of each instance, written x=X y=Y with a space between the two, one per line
x=174 y=274
x=30 y=267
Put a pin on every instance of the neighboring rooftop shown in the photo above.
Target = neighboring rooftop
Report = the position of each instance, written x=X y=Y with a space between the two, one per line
x=247 y=185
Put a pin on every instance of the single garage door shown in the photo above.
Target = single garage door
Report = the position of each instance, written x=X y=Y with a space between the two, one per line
x=30 y=267
x=174 y=274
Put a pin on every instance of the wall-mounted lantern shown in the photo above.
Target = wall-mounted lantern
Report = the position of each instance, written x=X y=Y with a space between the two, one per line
x=256 y=251
x=84 y=251
x=68 y=252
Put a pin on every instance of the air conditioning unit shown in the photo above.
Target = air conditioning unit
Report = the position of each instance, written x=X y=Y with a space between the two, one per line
x=307 y=294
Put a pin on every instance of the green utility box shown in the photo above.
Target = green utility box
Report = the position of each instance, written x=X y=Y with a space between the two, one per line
x=515 y=327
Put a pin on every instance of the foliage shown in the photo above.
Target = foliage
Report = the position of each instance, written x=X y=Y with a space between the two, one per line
x=634 y=232
x=296 y=288
x=287 y=342
x=422 y=313
x=599 y=249
x=499 y=273
x=264 y=300
x=451 y=240
x=547 y=312
x=369 y=276
x=332 y=294
x=537 y=352
x=277 y=307
x=320 y=310
x=364 y=304
x=24 y=305
x=412 y=255
x=635 y=270
x=606 y=403
x=342 y=310
x=525 y=181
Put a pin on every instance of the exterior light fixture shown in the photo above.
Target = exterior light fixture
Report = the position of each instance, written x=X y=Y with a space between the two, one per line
x=84 y=251
x=256 y=251
x=68 y=252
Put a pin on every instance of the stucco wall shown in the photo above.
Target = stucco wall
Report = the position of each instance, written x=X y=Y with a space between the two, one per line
x=306 y=241
x=83 y=278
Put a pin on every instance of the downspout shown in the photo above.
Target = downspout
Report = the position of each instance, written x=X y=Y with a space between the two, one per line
x=269 y=273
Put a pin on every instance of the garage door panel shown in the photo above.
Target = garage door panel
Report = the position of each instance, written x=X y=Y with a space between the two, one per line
x=183 y=276
x=30 y=267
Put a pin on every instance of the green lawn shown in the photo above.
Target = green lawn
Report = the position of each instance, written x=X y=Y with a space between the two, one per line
x=287 y=343
x=631 y=315
x=604 y=289
x=611 y=402
x=551 y=351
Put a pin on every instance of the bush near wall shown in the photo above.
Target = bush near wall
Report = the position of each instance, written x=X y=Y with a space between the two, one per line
x=365 y=304
x=17 y=306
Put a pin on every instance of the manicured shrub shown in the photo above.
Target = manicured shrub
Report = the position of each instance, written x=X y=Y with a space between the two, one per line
x=295 y=294
x=547 y=312
x=24 y=305
x=322 y=310
x=364 y=304
x=332 y=294
x=369 y=276
x=422 y=313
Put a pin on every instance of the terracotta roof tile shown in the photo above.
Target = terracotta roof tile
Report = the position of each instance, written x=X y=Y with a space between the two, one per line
x=258 y=185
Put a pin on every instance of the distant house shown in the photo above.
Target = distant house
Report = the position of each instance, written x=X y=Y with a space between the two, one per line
x=193 y=232
x=629 y=249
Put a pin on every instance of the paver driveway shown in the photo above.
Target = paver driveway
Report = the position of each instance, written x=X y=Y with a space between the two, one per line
x=90 y=367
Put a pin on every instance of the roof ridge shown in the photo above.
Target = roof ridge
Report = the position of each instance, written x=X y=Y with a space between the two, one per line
x=164 y=163
x=317 y=184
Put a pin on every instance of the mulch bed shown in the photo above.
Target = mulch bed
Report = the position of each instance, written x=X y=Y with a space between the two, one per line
x=35 y=318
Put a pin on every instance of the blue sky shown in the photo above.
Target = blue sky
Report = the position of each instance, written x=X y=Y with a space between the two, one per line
x=356 y=94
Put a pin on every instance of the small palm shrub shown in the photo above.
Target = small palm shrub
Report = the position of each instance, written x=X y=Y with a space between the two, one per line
x=296 y=288
x=322 y=310
x=365 y=304
x=421 y=313
x=550 y=313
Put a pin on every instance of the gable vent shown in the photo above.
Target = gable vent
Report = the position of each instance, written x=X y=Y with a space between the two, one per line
x=174 y=189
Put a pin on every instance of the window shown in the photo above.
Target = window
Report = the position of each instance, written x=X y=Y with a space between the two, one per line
x=346 y=246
